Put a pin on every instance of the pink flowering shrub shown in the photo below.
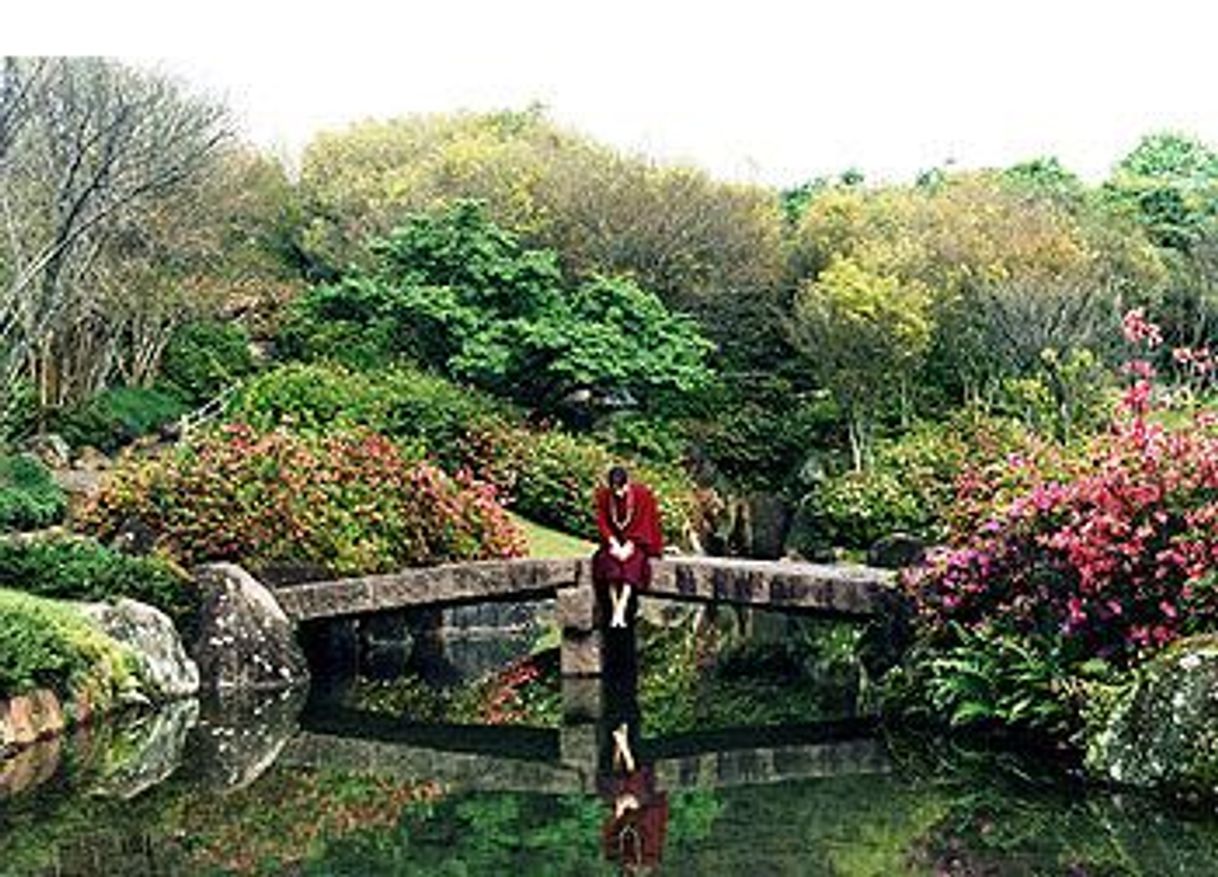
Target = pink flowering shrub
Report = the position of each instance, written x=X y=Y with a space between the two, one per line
x=351 y=502
x=1111 y=554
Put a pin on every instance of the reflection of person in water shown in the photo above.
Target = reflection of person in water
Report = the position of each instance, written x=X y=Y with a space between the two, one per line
x=628 y=518
x=633 y=833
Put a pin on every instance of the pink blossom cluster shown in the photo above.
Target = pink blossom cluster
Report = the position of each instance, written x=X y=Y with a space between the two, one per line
x=1115 y=552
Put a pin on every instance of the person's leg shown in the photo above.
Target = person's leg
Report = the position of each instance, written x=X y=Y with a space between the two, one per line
x=621 y=605
x=619 y=596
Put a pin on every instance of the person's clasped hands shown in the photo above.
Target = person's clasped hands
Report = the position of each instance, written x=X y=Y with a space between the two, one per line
x=621 y=550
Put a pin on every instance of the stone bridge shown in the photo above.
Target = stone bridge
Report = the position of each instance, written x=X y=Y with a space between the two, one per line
x=843 y=591
x=839 y=590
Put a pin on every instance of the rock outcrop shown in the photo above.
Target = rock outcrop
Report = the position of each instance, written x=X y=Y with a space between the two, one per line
x=166 y=672
x=29 y=717
x=896 y=551
x=1163 y=732
x=244 y=640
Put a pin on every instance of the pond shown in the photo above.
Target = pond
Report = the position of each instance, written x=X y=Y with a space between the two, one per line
x=402 y=778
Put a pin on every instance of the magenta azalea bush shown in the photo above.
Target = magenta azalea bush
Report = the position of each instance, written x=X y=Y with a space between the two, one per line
x=1109 y=554
x=350 y=502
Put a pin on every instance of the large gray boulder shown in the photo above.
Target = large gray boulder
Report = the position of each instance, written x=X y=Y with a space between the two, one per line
x=166 y=672
x=1163 y=731
x=244 y=640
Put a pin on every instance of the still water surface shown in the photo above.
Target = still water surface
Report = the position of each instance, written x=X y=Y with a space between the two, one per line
x=389 y=779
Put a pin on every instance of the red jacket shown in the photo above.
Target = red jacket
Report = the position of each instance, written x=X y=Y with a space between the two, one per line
x=636 y=520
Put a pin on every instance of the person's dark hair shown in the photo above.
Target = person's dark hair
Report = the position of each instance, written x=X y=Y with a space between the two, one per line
x=617 y=477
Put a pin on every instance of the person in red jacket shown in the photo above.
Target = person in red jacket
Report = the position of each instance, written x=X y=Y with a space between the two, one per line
x=628 y=519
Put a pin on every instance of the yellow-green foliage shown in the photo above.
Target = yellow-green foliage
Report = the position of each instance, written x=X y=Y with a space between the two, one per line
x=48 y=644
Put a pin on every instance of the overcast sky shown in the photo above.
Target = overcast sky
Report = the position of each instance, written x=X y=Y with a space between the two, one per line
x=773 y=92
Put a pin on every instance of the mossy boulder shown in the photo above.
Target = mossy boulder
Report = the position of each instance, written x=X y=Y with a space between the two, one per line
x=1162 y=732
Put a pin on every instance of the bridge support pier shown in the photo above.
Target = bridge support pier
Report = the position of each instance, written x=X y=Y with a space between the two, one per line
x=582 y=648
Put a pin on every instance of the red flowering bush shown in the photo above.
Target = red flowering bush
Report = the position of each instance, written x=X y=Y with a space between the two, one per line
x=351 y=502
x=1111 y=554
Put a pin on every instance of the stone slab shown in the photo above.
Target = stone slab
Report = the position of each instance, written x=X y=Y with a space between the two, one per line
x=838 y=589
x=582 y=653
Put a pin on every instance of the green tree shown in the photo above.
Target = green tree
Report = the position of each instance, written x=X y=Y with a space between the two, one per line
x=708 y=248
x=1172 y=182
x=459 y=294
x=861 y=331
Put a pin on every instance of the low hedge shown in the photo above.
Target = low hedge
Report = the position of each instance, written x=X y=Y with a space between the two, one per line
x=549 y=475
x=118 y=416
x=81 y=569
x=451 y=423
x=29 y=497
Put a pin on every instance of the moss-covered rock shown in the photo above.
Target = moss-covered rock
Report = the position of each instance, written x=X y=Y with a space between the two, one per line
x=1163 y=732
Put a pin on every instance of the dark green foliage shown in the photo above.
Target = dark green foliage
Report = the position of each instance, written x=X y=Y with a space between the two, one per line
x=1046 y=177
x=461 y=295
x=119 y=416
x=987 y=679
x=29 y=497
x=18 y=411
x=556 y=476
x=1171 y=181
x=766 y=435
x=550 y=475
x=205 y=357
x=81 y=569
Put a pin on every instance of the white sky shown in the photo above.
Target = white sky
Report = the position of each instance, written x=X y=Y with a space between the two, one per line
x=766 y=91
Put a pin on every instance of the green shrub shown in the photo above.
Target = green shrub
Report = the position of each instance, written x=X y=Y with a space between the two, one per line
x=455 y=292
x=352 y=502
x=29 y=497
x=203 y=358
x=986 y=678
x=450 y=422
x=550 y=475
x=758 y=433
x=911 y=485
x=555 y=476
x=80 y=569
x=313 y=398
x=118 y=416
x=45 y=644
x=650 y=438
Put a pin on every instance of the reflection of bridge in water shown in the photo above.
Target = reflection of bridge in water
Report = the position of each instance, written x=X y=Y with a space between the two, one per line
x=568 y=760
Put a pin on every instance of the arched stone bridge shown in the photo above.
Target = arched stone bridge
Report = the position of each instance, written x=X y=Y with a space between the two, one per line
x=844 y=591
x=826 y=589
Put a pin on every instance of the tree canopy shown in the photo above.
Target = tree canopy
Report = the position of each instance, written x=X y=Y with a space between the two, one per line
x=457 y=293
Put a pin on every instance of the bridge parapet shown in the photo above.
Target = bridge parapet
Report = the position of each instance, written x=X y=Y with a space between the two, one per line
x=445 y=584
x=857 y=591
x=839 y=589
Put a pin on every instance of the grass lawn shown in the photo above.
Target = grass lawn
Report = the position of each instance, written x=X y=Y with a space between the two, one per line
x=544 y=542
